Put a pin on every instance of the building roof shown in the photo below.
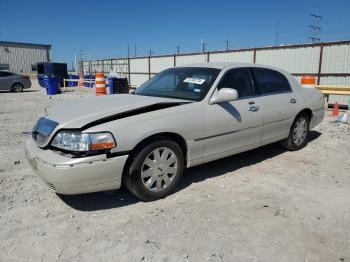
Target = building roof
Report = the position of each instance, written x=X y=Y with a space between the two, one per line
x=17 y=44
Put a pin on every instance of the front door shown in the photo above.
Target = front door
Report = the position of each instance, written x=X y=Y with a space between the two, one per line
x=232 y=127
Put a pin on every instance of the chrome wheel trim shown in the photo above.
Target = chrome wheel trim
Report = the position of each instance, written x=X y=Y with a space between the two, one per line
x=300 y=131
x=159 y=169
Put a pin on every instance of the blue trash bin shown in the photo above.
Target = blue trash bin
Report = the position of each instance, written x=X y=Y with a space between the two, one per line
x=70 y=83
x=74 y=83
x=110 y=85
x=52 y=84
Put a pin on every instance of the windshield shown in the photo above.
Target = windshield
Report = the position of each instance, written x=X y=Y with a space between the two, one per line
x=189 y=83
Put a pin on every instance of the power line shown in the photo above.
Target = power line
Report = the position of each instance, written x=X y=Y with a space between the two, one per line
x=315 y=27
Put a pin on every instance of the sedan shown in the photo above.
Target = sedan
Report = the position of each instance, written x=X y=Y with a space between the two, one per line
x=182 y=117
x=13 y=82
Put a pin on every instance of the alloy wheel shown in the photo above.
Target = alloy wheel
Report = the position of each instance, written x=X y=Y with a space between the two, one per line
x=159 y=169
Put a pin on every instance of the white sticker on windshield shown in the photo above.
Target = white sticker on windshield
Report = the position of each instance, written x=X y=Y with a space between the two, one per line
x=197 y=90
x=192 y=80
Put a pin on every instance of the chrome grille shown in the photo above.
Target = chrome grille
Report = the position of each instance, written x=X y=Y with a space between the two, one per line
x=42 y=130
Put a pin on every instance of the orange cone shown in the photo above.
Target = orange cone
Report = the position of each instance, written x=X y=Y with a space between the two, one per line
x=335 y=109
x=100 y=84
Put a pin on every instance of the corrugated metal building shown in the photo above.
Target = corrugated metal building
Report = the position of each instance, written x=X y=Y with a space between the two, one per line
x=23 y=57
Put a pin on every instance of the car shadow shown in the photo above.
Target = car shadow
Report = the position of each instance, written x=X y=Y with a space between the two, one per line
x=24 y=91
x=121 y=197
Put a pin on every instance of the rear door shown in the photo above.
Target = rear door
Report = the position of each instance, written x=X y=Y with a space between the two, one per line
x=278 y=103
x=232 y=127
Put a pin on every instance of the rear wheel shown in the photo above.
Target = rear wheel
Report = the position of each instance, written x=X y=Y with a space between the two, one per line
x=298 y=135
x=155 y=170
x=17 y=87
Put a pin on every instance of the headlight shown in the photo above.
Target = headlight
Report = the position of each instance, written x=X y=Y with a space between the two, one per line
x=83 y=142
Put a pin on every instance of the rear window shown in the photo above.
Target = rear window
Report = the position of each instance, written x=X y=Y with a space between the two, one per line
x=269 y=81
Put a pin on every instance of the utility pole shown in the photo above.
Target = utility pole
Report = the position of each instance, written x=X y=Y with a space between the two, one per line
x=75 y=62
x=227 y=43
x=203 y=46
x=128 y=50
x=178 y=49
x=135 y=49
x=277 y=40
x=81 y=61
x=150 y=52
x=315 y=27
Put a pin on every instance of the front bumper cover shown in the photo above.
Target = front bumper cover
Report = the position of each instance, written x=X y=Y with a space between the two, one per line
x=70 y=176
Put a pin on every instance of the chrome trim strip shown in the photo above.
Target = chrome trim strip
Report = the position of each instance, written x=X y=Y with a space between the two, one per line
x=239 y=130
x=226 y=133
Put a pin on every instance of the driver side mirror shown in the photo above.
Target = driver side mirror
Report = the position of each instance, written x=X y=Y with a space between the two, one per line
x=224 y=95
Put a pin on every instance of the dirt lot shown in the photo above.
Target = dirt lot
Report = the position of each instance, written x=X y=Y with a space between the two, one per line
x=263 y=205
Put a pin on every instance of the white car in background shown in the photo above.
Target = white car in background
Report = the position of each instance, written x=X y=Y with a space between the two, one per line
x=182 y=117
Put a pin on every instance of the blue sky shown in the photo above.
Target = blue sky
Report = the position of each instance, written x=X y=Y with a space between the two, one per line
x=104 y=28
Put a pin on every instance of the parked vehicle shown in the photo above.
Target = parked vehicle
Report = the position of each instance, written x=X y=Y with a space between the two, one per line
x=13 y=82
x=182 y=117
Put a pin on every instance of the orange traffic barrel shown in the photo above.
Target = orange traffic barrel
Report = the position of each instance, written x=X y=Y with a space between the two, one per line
x=81 y=80
x=308 y=81
x=100 y=83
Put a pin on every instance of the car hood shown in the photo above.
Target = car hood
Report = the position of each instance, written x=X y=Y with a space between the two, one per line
x=89 y=111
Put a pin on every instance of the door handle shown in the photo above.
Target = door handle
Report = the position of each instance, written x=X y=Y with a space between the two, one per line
x=292 y=100
x=251 y=102
x=253 y=108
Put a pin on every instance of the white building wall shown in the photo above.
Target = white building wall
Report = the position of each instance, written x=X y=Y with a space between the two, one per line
x=336 y=59
x=138 y=79
x=293 y=60
x=242 y=56
x=190 y=59
x=139 y=65
x=161 y=63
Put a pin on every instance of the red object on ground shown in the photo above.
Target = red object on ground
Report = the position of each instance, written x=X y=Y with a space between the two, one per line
x=335 y=111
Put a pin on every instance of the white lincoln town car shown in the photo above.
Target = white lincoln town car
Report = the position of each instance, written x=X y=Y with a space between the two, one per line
x=182 y=117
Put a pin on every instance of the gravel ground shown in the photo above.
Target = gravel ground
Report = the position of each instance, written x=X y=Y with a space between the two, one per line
x=263 y=205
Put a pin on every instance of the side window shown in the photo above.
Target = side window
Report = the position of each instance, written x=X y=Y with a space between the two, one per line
x=238 y=79
x=4 y=74
x=269 y=81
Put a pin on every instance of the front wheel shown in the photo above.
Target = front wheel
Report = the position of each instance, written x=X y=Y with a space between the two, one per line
x=298 y=135
x=155 y=171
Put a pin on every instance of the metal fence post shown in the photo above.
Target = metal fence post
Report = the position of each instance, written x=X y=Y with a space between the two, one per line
x=254 y=56
x=320 y=65
x=149 y=67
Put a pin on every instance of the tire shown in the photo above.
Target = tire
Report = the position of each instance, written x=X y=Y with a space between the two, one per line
x=298 y=134
x=155 y=170
x=17 y=87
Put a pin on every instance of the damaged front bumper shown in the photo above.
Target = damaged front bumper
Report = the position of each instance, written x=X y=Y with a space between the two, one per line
x=68 y=176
